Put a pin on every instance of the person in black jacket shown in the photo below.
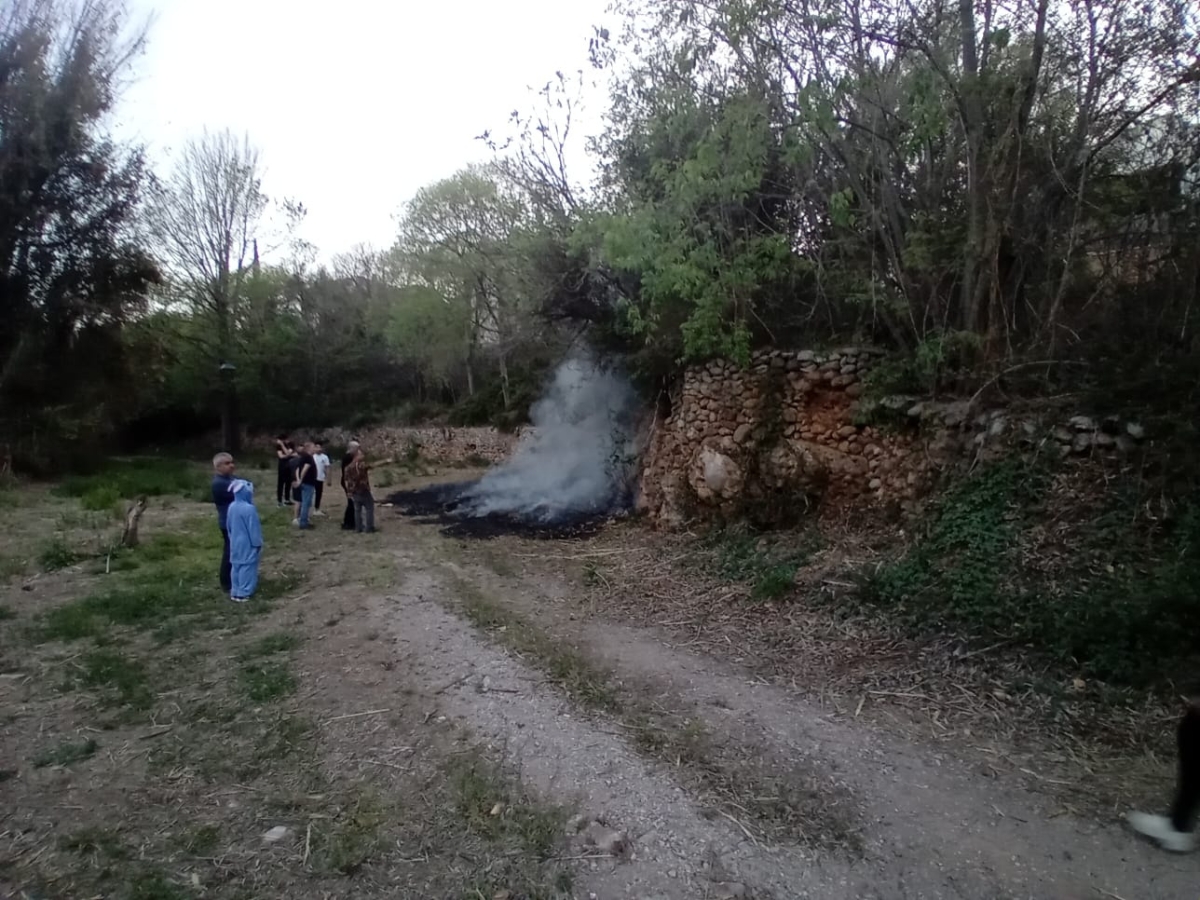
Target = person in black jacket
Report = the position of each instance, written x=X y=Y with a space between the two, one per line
x=283 y=455
x=347 y=458
x=223 y=469
x=1176 y=831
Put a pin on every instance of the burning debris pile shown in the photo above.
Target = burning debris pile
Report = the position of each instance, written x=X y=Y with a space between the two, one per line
x=571 y=474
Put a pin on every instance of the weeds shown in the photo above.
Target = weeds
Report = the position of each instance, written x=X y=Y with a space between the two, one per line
x=1126 y=613
x=279 y=642
x=172 y=588
x=56 y=554
x=264 y=682
x=66 y=754
x=489 y=807
x=126 y=679
x=767 y=563
x=354 y=836
x=202 y=840
x=88 y=841
x=101 y=498
x=131 y=478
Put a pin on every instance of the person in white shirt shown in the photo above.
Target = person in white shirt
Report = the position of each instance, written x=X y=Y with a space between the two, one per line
x=322 y=463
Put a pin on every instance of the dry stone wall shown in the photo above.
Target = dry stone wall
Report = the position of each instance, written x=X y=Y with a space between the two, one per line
x=793 y=435
x=444 y=444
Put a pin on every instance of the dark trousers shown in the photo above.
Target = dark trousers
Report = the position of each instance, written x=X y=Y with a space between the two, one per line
x=364 y=513
x=348 y=516
x=283 y=489
x=320 y=491
x=226 y=568
x=1187 y=797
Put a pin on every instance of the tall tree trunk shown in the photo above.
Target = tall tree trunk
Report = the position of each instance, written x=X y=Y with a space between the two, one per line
x=504 y=383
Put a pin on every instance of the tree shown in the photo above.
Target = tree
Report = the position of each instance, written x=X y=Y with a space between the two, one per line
x=207 y=218
x=941 y=171
x=71 y=270
x=458 y=237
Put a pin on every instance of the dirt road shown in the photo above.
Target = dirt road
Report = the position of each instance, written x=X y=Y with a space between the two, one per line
x=407 y=715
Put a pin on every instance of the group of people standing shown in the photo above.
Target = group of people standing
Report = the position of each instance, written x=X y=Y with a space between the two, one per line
x=302 y=475
x=301 y=479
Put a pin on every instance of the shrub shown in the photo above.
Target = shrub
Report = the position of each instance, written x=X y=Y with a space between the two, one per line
x=56 y=554
x=101 y=498
x=131 y=478
x=1131 y=621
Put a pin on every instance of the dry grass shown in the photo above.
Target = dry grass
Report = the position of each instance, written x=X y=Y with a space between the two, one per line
x=157 y=734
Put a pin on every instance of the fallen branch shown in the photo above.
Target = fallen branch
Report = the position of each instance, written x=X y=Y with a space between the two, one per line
x=357 y=715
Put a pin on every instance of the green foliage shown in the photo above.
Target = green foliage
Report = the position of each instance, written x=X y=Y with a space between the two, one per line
x=263 y=682
x=957 y=572
x=1130 y=621
x=101 y=498
x=132 y=478
x=936 y=360
x=767 y=563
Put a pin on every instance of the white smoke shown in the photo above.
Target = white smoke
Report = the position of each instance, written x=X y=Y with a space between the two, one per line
x=576 y=459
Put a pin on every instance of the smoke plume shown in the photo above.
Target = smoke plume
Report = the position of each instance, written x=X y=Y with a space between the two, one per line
x=576 y=461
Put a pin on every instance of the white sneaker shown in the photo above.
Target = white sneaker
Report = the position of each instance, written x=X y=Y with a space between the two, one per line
x=317 y=512
x=296 y=522
x=1160 y=829
x=239 y=599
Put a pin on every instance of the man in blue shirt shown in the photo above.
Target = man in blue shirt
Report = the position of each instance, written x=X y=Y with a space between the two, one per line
x=223 y=469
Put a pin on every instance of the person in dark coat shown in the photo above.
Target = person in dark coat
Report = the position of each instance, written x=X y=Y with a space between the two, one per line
x=223 y=469
x=347 y=459
x=283 y=457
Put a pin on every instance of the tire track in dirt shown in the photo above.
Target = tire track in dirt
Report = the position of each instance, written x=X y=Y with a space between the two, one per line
x=677 y=852
x=935 y=829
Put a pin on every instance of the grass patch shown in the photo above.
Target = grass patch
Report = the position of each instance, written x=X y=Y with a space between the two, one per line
x=354 y=837
x=56 y=554
x=768 y=563
x=154 y=885
x=490 y=806
x=279 y=642
x=264 y=682
x=172 y=588
x=6 y=614
x=126 y=680
x=131 y=478
x=66 y=753
x=101 y=498
x=99 y=841
x=203 y=840
x=1120 y=604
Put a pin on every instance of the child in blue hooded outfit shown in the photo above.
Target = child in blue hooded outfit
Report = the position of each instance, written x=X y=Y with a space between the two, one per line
x=245 y=541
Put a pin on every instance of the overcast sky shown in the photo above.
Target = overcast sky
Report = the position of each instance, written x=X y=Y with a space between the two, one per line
x=355 y=104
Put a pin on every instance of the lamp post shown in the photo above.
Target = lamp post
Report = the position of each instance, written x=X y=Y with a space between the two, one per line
x=229 y=423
